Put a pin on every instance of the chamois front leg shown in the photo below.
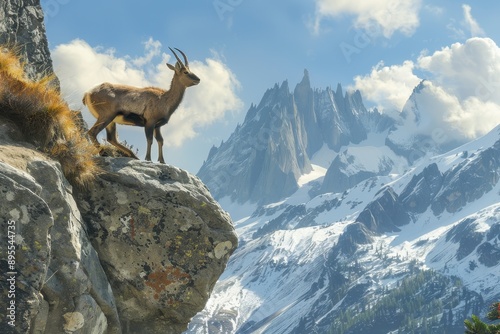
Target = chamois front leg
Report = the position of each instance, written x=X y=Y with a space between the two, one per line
x=159 y=140
x=99 y=125
x=149 y=129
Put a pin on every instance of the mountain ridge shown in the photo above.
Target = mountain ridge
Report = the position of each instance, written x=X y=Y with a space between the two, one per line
x=265 y=156
x=372 y=224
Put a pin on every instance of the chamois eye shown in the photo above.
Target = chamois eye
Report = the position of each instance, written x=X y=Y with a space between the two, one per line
x=185 y=72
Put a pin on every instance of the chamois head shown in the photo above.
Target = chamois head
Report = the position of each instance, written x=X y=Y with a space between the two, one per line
x=186 y=77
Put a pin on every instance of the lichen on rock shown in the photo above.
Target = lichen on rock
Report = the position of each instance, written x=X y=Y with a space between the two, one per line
x=139 y=251
x=162 y=239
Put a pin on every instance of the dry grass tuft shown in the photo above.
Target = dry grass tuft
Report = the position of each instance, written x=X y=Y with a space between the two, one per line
x=45 y=120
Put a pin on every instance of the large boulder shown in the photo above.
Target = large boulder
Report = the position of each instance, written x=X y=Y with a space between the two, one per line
x=25 y=220
x=162 y=239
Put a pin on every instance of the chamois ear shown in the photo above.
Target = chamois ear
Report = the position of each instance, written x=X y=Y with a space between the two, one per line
x=171 y=67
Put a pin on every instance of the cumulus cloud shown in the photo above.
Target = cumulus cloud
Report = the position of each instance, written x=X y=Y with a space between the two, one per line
x=467 y=70
x=383 y=16
x=80 y=67
x=152 y=49
x=388 y=86
x=461 y=94
x=470 y=72
x=434 y=110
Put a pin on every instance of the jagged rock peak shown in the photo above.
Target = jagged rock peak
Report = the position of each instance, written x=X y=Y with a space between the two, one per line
x=285 y=88
x=263 y=159
x=306 y=82
x=339 y=95
x=295 y=126
x=303 y=89
x=419 y=87
x=270 y=96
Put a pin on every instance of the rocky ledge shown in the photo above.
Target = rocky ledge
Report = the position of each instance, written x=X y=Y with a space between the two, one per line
x=140 y=251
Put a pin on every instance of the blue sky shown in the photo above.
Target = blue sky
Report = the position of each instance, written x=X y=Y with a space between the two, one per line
x=240 y=48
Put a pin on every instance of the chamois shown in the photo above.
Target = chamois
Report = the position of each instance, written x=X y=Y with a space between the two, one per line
x=149 y=107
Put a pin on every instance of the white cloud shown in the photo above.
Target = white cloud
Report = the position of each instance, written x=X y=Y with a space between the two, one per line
x=433 y=109
x=470 y=73
x=444 y=113
x=461 y=95
x=433 y=9
x=379 y=17
x=468 y=23
x=456 y=32
x=152 y=49
x=471 y=23
x=80 y=67
x=471 y=69
x=388 y=86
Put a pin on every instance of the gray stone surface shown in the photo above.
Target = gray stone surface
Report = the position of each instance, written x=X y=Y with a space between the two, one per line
x=30 y=215
x=60 y=279
x=385 y=213
x=22 y=28
x=162 y=240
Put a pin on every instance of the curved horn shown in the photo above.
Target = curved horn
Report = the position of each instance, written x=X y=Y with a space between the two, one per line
x=176 y=56
x=185 y=58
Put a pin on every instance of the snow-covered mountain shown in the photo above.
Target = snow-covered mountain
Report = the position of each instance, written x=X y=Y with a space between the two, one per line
x=264 y=158
x=348 y=224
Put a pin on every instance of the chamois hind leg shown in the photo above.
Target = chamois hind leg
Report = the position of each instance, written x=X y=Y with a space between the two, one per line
x=159 y=140
x=113 y=139
x=149 y=129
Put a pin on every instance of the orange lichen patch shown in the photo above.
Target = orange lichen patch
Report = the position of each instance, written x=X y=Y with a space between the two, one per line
x=162 y=279
x=132 y=228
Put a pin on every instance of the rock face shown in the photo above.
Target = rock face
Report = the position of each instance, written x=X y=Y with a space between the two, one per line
x=21 y=26
x=264 y=157
x=420 y=191
x=385 y=213
x=60 y=284
x=162 y=241
x=339 y=117
x=139 y=252
x=469 y=180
